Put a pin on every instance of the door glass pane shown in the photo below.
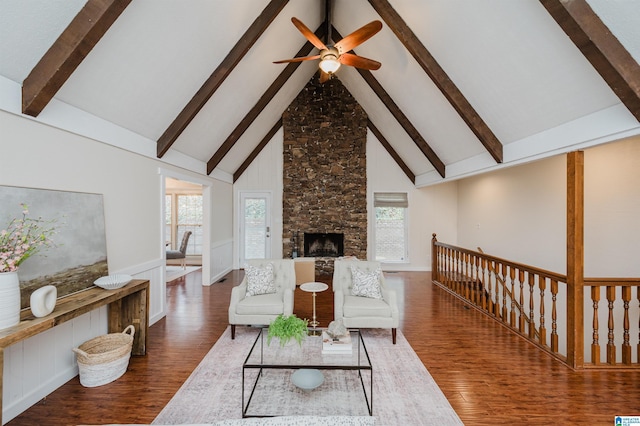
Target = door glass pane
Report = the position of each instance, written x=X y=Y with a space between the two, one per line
x=255 y=226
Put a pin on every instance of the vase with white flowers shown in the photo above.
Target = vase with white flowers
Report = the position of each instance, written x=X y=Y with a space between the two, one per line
x=22 y=238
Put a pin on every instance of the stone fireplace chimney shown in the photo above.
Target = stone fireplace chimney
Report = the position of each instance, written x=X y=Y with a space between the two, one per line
x=325 y=179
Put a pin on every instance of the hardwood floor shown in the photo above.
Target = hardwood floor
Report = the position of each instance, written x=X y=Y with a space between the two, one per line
x=489 y=375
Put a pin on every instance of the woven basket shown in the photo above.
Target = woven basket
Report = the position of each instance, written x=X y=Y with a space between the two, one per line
x=105 y=358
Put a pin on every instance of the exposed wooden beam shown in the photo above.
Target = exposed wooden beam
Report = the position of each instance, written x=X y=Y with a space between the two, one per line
x=439 y=78
x=223 y=70
x=605 y=52
x=407 y=171
x=400 y=117
x=264 y=100
x=257 y=150
x=67 y=52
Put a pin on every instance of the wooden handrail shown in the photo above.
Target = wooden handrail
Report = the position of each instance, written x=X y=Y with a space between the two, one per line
x=616 y=282
x=516 y=265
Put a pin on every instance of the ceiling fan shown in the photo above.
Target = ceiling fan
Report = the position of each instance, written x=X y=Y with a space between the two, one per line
x=331 y=57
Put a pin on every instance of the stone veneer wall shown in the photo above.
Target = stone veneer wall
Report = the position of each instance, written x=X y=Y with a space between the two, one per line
x=324 y=173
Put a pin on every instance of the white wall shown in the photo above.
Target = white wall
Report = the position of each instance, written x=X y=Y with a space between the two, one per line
x=519 y=213
x=612 y=209
x=41 y=156
x=431 y=209
x=221 y=221
x=221 y=211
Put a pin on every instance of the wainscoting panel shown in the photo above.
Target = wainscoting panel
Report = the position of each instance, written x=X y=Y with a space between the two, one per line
x=39 y=365
x=154 y=272
x=221 y=259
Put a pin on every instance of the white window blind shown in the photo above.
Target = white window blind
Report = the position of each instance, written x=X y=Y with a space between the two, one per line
x=390 y=199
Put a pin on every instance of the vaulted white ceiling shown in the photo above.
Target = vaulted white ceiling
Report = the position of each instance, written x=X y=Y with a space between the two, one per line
x=512 y=62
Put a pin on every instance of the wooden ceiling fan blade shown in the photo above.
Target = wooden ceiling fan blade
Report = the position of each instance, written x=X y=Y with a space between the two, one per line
x=309 y=35
x=300 y=59
x=359 y=36
x=324 y=77
x=359 y=61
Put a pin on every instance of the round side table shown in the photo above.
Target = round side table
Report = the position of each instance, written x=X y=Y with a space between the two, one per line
x=314 y=287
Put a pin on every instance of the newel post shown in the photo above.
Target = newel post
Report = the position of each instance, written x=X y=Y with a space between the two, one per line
x=434 y=258
x=575 y=259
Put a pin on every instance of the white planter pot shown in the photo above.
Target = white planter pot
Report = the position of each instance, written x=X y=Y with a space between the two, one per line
x=9 y=299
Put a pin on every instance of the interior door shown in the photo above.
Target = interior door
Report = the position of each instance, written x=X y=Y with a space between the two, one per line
x=255 y=226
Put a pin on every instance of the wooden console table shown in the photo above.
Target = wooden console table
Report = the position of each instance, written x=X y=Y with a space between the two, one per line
x=127 y=305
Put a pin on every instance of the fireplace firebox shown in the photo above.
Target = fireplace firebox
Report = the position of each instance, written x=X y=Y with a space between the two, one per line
x=323 y=245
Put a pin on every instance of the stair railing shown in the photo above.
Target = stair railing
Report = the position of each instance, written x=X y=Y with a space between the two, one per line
x=509 y=295
x=526 y=299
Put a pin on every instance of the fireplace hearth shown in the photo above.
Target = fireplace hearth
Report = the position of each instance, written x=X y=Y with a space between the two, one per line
x=323 y=245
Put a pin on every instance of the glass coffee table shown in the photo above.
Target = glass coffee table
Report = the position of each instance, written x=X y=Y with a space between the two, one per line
x=305 y=380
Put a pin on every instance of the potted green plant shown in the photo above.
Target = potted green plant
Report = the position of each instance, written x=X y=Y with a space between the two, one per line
x=286 y=328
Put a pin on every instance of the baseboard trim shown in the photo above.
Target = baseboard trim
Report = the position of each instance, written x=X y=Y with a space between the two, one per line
x=217 y=277
x=28 y=400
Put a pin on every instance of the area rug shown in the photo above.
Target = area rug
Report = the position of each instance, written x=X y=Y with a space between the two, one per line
x=404 y=393
x=175 y=272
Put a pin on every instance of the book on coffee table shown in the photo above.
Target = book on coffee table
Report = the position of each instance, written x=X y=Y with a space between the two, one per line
x=340 y=345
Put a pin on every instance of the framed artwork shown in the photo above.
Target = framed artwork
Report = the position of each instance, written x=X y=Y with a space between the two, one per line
x=79 y=254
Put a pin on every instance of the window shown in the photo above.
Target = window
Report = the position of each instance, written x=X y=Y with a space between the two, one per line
x=168 y=214
x=391 y=230
x=184 y=213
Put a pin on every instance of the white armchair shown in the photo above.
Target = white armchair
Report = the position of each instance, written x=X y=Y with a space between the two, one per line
x=376 y=309
x=266 y=303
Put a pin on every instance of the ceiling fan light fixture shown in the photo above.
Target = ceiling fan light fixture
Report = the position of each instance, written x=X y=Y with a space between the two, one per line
x=329 y=60
x=329 y=64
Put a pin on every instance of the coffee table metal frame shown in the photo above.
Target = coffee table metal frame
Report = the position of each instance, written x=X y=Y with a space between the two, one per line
x=360 y=354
